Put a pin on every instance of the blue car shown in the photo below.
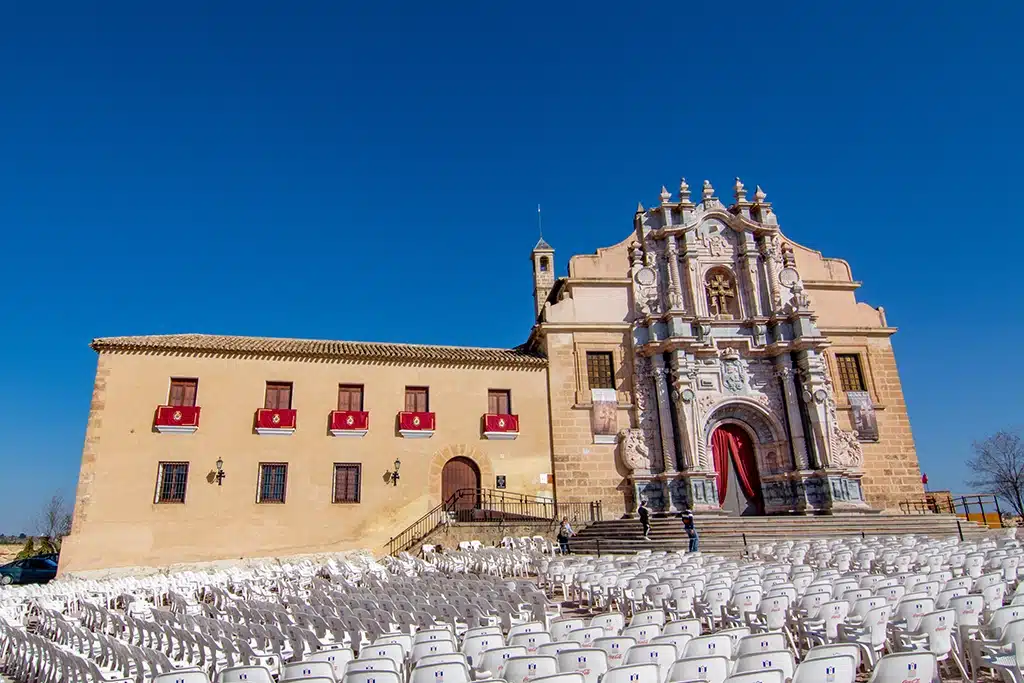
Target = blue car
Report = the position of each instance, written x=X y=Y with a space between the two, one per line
x=31 y=570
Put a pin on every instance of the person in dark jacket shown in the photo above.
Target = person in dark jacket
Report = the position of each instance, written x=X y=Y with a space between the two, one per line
x=645 y=519
x=691 y=530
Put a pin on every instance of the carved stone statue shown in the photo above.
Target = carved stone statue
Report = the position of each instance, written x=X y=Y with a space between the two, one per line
x=633 y=450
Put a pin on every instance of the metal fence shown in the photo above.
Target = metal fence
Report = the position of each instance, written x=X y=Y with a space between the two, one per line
x=976 y=507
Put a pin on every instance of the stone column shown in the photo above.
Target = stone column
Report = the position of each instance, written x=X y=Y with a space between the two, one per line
x=772 y=271
x=748 y=255
x=815 y=396
x=784 y=371
x=661 y=392
x=686 y=413
x=675 y=294
x=668 y=445
x=691 y=280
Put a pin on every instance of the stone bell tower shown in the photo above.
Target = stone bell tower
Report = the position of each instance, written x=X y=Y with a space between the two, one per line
x=543 y=258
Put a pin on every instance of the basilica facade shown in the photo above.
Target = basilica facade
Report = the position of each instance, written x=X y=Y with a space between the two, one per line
x=752 y=379
x=705 y=362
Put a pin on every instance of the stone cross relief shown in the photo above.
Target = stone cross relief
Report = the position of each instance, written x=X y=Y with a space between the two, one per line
x=720 y=290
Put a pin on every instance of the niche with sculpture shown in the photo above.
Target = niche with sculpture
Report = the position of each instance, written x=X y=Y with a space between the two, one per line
x=722 y=295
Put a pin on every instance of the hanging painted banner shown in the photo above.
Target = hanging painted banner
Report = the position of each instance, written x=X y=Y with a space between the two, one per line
x=864 y=421
x=603 y=416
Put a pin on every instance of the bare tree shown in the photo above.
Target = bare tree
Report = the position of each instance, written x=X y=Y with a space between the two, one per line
x=54 y=521
x=998 y=467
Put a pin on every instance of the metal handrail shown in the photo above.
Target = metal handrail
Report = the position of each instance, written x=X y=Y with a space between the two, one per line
x=962 y=506
x=491 y=505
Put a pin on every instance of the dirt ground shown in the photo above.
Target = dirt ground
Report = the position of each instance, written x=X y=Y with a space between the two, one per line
x=7 y=552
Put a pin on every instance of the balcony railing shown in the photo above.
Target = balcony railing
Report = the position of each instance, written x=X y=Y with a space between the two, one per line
x=176 y=419
x=349 y=422
x=416 y=425
x=501 y=426
x=275 y=421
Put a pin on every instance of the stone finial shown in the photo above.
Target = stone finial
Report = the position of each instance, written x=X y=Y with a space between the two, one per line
x=759 y=195
x=665 y=196
x=788 y=258
x=739 y=192
x=639 y=207
x=708 y=192
x=684 y=190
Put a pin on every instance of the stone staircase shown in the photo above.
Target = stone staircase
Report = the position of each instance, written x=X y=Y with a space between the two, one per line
x=729 y=535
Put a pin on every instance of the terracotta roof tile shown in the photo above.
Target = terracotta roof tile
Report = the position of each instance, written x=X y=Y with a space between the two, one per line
x=320 y=348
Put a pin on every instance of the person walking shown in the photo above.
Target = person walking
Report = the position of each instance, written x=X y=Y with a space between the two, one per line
x=645 y=519
x=565 y=532
x=691 y=530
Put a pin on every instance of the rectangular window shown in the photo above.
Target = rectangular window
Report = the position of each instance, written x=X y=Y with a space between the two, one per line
x=850 y=377
x=417 y=400
x=172 y=478
x=499 y=401
x=183 y=392
x=279 y=396
x=350 y=397
x=599 y=370
x=346 y=483
x=273 y=478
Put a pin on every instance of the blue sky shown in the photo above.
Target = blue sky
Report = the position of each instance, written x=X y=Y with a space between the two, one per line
x=372 y=171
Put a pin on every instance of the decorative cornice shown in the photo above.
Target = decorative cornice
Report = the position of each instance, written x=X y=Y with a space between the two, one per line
x=858 y=331
x=317 y=349
x=838 y=285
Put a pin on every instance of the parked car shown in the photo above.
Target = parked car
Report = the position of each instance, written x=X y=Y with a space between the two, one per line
x=31 y=570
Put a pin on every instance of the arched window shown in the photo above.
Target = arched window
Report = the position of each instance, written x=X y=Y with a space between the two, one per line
x=544 y=264
x=722 y=295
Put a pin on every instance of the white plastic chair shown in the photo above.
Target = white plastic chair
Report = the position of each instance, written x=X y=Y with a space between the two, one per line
x=379 y=676
x=637 y=673
x=906 y=666
x=782 y=660
x=591 y=663
x=245 y=674
x=560 y=678
x=762 y=676
x=307 y=669
x=661 y=655
x=337 y=658
x=615 y=648
x=710 y=669
x=526 y=668
x=450 y=672
x=834 y=669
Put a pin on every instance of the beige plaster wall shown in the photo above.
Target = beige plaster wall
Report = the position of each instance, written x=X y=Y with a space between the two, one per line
x=117 y=522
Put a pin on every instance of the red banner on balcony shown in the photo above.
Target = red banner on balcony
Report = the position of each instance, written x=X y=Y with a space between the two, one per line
x=177 y=416
x=501 y=423
x=350 y=419
x=274 y=418
x=414 y=422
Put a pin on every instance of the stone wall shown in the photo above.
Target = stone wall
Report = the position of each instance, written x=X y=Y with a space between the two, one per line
x=585 y=471
x=891 y=470
x=118 y=523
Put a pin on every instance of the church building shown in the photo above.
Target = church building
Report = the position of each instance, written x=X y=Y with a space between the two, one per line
x=705 y=362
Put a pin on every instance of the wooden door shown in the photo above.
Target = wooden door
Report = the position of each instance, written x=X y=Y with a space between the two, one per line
x=460 y=473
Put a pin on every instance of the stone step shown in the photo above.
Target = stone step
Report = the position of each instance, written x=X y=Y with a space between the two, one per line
x=730 y=535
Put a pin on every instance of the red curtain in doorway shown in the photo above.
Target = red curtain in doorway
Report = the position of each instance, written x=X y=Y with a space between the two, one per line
x=731 y=441
x=720 y=452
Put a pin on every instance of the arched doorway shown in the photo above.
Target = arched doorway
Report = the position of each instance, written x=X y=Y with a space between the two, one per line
x=458 y=474
x=739 y=483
